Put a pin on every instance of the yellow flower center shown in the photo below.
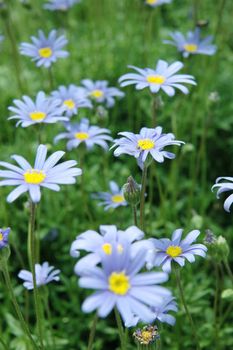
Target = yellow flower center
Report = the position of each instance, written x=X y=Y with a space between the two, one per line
x=190 y=47
x=82 y=136
x=118 y=198
x=120 y=248
x=97 y=93
x=151 y=2
x=118 y=283
x=69 y=104
x=34 y=176
x=37 y=116
x=1 y=236
x=146 y=336
x=155 y=79
x=146 y=144
x=107 y=248
x=174 y=251
x=45 y=52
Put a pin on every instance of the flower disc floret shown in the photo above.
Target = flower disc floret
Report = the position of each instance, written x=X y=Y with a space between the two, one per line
x=34 y=176
x=118 y=283
x=45 y=52
x=107 y=248
x=112 y=199
x=146 y=144
x=174 y=251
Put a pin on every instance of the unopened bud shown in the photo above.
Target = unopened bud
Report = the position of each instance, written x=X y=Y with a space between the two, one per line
x=132 y=191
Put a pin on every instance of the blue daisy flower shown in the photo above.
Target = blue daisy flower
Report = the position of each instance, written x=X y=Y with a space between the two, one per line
x=192 y=44
x=98 y=243
x=71 y=99
x=161 y=311
x=225 y=186
x=149 y=142
x=44 y=275
x=62 y=5
x=120 y=284
x=45 y=50
x=100 y=92
x=83 y=132
x=155 y=3
x=44 y=173
x=113 y=199
x=43 y=110
x=162 y=77
x=167 y=250
x=4 y=233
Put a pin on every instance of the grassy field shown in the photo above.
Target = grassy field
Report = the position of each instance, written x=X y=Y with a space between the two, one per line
x=104 y=36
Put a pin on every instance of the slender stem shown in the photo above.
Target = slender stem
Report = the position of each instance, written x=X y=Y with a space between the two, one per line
x=220 y=17
x=47 y=308
x=120 y=329
x=158 y=344
x=182 y=297
x=135 y=219
x=142 y=199
x=51 y=78
x=227 y=266
x=3 y=344
x=216 y=300
x=32 y=259
x=16 y=305
x=92 y=333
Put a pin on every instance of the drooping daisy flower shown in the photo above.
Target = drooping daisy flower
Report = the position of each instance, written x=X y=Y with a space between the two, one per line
x=62 y=5
x=43 y=110
x=119 y=284
x=149 y=142
x=161 y=311
x=44 y=173
x=4 y=237
x=192 y=44
x=45 y=51
x=225 y=186
x=155 y=3
x=82 y=132
x=162 y=77
x=99 y=92
x=97 y=244
x=113 y=199
x=71 y=99
x=167 y=250
x=44 y=275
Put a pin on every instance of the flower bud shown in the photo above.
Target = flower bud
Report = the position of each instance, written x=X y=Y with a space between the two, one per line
x=131 y=191
x=218 y=247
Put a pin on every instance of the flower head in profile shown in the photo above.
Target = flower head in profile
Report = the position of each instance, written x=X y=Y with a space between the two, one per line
x=42 y=110
x=149 y=142
x=44 y=173
x=71 y=98
x=167 y=250
x=225 y=184
x=192 y=44
x=97 y=244
x=44 y=275
x=4 y=233
x=163 y=77
x=82 y=132
x=45 y=50
x=155 y=3
x=119 y=283
x=61 y=5
x=113 y=199
x=161 y=311
x=100 y=92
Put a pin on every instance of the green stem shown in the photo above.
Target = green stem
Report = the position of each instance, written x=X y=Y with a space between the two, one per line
x=142 y=199
x=32 y=260
x=182 y=297
x=16 y=306
x=3 y=344
x=135 y=219
x=92 y=333
x=216 y=300
x=51 y=78
x=158 y=344
x=220 y=17
x=120 y=329
x=227 y=266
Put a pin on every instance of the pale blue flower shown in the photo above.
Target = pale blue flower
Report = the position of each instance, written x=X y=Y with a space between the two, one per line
x=71 y=98
x=225 y=186
x=62 y=5
x=4 y=233
x=155 y=3
x=44 y=275
x=162 y=77
x=167 y=250
x=192 y=44
x=100 y=92
x=149 y=142
x=82 y=132
x=44 y=173
x=161 y=311
x=45 y=50
x=42 y=110
x=119 y=284
x=113 y=199
x=102 y=243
